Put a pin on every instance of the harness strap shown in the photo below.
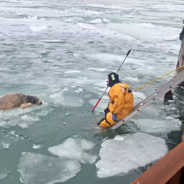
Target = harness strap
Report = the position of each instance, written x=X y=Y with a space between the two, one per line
x=126 y=88
x=107 y=121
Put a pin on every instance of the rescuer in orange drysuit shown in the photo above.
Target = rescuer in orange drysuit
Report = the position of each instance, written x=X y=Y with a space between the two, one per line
x=121 y=104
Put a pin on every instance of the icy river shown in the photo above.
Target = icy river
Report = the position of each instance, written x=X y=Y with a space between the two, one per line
x=62 y=51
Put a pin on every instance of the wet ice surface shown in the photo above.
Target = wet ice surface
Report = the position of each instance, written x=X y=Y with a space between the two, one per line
x=132 y=152
x=42 y=169
x=158 y=125
x=69 y=96
x=62 y=51
x=75 y=149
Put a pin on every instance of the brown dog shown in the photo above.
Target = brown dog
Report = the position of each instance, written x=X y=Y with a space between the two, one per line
x=14 y=100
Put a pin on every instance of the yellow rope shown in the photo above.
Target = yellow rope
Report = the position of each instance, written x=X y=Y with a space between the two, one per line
x=159 y=78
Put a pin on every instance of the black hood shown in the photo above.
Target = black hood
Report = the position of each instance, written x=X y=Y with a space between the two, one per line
x=113 y=78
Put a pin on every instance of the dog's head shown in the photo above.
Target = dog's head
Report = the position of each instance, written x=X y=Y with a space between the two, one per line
x=34 y=100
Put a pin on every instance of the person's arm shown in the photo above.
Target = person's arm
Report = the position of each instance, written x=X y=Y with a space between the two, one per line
x=118 y=103
x=110 y=97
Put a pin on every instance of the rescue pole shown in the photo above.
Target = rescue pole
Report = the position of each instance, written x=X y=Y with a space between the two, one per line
x=107 y=86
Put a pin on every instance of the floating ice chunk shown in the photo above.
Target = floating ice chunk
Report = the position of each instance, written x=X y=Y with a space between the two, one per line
x=54 y=41
x=29 y=118
x=96 y=21
x=119 y=137
x=86 y=145
x=131 y=79
x=173 y=108
x=170 y=101
x=82 y=78
x=4 y=68
x=44 y=112
x=5 y=146
x=32 y=17
x=104 y=97
x=14 y=121
x=87 y=96
x=12 y=132
x=69 y=21
x=5 y=143
x=38 y=28
x=105 y=21
x=15 y=112
x=89 y=12
x=3 y=124
x=6 y=139
x=171 y=38
x=75 y=149
x=23 y=125
x=144 y=31
x=110 y=7
x=169 y=117
x=36 y=146
x=98 y=69
x=87 y=27
x=72 y=71
x=3 y=174
x=29 y=121
x=111 y=58
x=79 y=90
x=68 y=97
x=151 y=111
x=139 y=95
x=36 y=168
x=101 y=84
x=101 y=106
x=133 y=151
x=157 y=125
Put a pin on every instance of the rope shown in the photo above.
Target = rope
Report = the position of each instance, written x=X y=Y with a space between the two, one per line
x=159 y=78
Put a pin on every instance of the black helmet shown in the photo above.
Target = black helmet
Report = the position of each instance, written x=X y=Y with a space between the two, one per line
x=113 y=78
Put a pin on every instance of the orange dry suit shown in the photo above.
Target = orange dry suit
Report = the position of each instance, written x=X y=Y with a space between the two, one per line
x=121 y=104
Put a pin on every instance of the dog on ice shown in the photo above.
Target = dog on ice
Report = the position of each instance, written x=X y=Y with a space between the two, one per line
x=15 y=100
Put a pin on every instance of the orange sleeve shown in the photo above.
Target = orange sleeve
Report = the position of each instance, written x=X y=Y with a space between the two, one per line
x=118 y=102
x=110 y=94
x=110 y=98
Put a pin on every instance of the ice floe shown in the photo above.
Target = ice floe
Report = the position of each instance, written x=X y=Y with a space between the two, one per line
x=122 y=154
x=75 y=149
x=37 y=168
x=158 y=125
x=68 y=97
